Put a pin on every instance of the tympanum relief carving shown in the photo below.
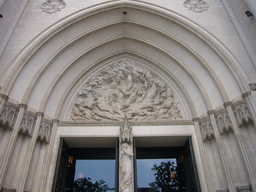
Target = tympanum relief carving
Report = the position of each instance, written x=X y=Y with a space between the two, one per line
x=125 y=89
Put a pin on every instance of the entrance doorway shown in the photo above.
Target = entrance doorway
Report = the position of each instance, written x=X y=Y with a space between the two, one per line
x=183 y=171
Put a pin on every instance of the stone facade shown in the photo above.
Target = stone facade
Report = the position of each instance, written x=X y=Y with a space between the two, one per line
x=174 y=69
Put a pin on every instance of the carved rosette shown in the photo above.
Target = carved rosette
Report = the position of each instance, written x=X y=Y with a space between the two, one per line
x=196 y=5
x=206 y=130
x=223 y=122
x=242 y=115
x=45 y=130
x=8 y=116
x=28 y=124
x=52 y=6
x=125 y=89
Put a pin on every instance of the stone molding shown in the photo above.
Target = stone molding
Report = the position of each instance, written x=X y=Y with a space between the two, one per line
x=52 y=6
x=243 y=188
x=153 y=123
x=196 y=5
x=8 y=115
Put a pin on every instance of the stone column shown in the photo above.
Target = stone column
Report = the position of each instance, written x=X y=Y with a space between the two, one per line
x=11 y=143
x=126 y=169
x=249 y=102
x=241 y=144
x=221 y=150
x=3 y=99
x=30 y=152
x=204 y=158
x=47 y=159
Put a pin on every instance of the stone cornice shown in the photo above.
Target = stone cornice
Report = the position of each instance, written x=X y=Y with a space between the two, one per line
x=174 y=122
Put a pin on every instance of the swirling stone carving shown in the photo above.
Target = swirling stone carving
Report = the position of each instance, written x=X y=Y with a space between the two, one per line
x=125 y=89
x=52 y=6
x=196 y=5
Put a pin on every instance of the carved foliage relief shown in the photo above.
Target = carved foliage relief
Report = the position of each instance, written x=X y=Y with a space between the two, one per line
x=125 y=89
x=224 y=123
x=206 y=130
x=196 y=5
x=242 y=115
x=45 y=131
x=28 y=124
x=8 y=116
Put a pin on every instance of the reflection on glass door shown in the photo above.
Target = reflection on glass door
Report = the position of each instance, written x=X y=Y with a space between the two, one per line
x=157 y=175
x=94 y=176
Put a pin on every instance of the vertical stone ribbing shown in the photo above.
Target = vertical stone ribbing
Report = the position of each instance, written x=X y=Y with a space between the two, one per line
x=221 y=150
x=47 y=159
x=30 y=153
x=248 y=100
x=3 y=100
x=11 y=143
x=241 y=144
x=203 y=156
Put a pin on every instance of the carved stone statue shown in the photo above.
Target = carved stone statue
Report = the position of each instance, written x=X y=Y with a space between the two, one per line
x=124 y=88
x=126 y=179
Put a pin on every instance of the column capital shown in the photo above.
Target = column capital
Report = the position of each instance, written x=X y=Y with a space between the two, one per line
x=55 y=121
x=246 y=94
x=196 y=120
x=227 y=104
x=210 y=112
x=3 y=96
x=24 y=106
x=40 y=114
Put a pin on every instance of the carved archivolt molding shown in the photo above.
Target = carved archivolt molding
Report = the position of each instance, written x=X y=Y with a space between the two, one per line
x=45 y=130
x=223 y=122
x=125 y=89
x=28 y=124
x=206 y=130
x=8 y=116
x=52 y=6
x=242 y=115
x=196 y=5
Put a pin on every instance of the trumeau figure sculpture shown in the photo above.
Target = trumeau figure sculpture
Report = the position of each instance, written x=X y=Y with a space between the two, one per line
x=126 y=179
x=196 y=5
x=124 y=88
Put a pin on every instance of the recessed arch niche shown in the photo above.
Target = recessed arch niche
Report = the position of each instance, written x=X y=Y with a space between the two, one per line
x=196 y=65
